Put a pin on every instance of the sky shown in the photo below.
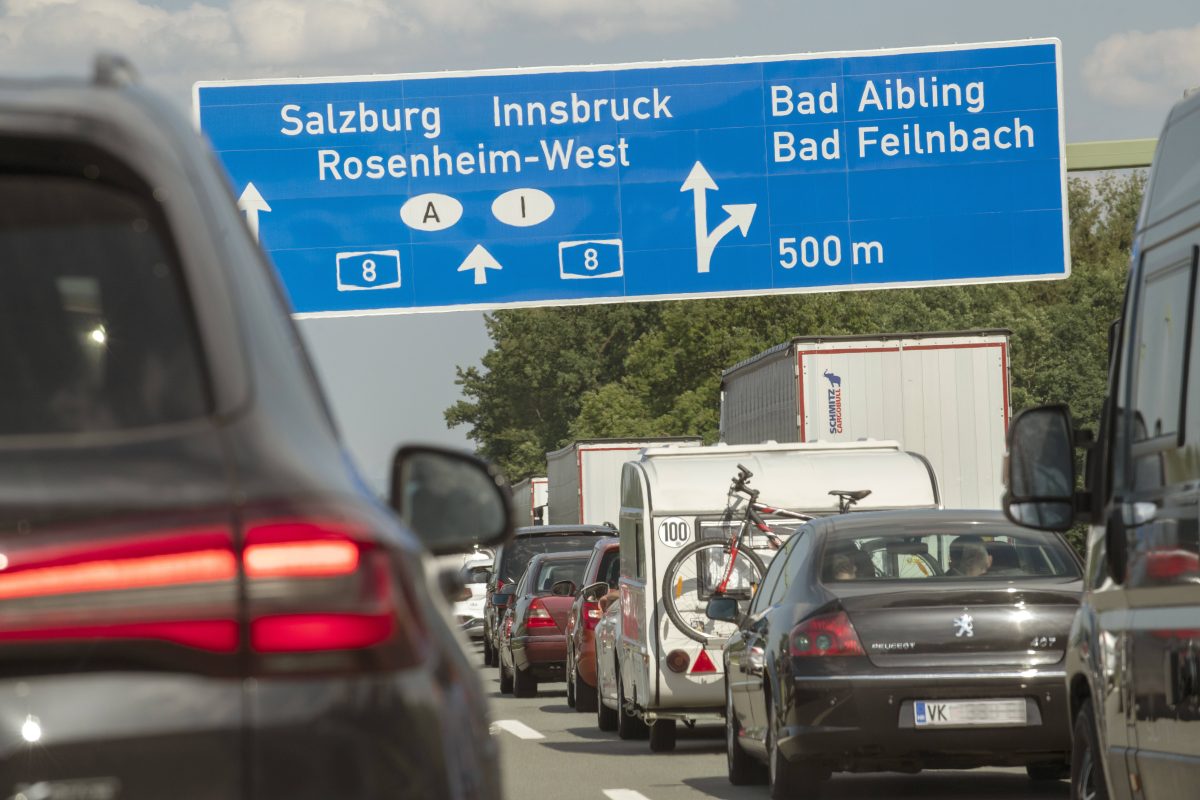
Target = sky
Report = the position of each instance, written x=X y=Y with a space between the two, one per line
x=390 y=378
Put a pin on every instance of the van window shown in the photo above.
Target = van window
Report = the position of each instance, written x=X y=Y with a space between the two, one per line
x=95 y=333
x=1160 y=347
x=1176 y=183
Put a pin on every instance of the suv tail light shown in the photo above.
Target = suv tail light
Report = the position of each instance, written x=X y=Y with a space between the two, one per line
x=177 y=585
x=538 y=616
x=825 y=635
x=317 y=585
x=311 y=586
x=591 y=615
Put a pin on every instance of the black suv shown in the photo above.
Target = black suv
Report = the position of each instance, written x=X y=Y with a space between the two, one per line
x=1133 y=661
x=199 y=596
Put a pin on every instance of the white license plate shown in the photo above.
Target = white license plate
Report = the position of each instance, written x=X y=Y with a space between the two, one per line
x=968 y=713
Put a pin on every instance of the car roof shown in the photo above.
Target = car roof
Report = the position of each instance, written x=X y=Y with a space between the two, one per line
x=570 y=554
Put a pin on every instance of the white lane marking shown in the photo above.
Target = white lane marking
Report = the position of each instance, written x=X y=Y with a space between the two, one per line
x=517 y=728
x=624 y=794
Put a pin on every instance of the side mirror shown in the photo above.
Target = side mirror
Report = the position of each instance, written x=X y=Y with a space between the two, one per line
x=501 y=599
x=594 y=591
x=723 y=608
x=452 y=501
x=1039 y=471
x=563 y=589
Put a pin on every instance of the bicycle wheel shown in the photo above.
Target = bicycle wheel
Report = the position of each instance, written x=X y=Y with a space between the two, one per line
x=692 y=578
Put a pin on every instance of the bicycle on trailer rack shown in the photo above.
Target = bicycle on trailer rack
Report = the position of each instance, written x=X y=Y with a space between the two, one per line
x=728 y=565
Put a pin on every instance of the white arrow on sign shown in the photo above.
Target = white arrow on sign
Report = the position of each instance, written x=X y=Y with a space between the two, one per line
x=481 y=261
x=251 y=202
x=699 y=182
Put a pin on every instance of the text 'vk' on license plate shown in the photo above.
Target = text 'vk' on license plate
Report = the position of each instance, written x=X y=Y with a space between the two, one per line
x=968 y=713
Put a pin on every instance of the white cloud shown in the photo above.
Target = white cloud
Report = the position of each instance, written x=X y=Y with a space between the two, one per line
x=1136 y=69
x=250 y=38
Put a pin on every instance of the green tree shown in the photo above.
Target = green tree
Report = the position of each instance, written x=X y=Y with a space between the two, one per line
x=643 y=370
x=520 y=402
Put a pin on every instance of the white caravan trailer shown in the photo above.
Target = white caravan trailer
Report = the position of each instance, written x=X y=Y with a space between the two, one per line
x=672 y=496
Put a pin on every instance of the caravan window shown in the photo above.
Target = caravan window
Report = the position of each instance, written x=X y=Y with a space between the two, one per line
x=633 y=509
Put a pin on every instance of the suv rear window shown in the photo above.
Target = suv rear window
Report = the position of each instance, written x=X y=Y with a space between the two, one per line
x=515 y=557
x=95 y=331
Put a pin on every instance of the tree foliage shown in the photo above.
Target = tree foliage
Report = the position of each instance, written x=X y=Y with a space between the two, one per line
x=554 y=375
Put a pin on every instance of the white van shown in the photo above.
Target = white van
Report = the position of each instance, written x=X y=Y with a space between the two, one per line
x=672 y=496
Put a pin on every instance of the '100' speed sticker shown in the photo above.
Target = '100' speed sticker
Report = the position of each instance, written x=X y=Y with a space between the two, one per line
x=673 y=532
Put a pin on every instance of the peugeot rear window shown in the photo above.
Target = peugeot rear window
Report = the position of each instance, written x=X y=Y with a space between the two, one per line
x=973 y=555
x=516 y=556
x=95 y=330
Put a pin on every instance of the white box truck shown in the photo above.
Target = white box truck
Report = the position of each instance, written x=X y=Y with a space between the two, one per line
x=944 y=395
x=585 y=477
x=530 y=500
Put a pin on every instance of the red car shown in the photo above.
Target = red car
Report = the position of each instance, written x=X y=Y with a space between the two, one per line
x=533 y=638
x=604 y=568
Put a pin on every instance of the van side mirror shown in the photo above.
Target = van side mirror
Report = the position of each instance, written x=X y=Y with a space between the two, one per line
x=1039 y=470
x=594 y=591
x=563 y=589
x=451 y=500
x=723 y=608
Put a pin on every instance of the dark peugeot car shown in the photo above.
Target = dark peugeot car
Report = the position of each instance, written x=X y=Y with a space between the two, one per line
x=599 y=578
x=514 y=557
x=901 y=640
x=533 y=635
x=199 y=596
x=1133 y=664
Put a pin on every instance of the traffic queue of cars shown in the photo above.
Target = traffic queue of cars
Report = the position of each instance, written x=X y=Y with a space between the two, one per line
x=897 y=639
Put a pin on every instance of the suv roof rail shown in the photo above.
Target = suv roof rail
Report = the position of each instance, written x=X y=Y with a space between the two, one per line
x=113 y=71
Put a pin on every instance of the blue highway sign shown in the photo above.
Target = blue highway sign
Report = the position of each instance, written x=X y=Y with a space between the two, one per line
x=916 y=167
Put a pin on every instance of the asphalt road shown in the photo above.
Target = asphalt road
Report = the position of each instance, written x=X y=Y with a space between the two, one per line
x=550 y=751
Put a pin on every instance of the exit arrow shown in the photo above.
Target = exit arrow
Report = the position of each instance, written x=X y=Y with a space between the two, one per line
x=481 y=261
x=699 y=182
x=251 y=203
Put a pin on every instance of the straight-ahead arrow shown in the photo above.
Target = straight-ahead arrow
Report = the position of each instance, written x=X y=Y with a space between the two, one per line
x=481 y=261
x=251 y=203
x=699 y=182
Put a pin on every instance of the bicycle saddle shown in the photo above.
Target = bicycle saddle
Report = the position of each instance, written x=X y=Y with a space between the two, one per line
x=854 y=495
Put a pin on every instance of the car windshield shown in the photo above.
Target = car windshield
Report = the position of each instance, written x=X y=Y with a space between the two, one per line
x=559 y=569
x=974 y=555
x=517 y=555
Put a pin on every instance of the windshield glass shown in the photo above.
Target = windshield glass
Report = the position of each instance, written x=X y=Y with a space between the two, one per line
x=978 y=555
x=517 y=555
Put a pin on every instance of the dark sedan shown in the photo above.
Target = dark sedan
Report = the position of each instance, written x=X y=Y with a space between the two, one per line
x=902 y=641
x=533 y=637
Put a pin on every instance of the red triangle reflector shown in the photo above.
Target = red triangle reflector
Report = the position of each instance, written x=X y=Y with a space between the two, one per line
x=703 y=663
